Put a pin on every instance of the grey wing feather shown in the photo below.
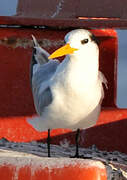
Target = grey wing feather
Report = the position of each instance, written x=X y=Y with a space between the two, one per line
x=41 y=85
x=42 y=100
x=41 y=71
x=32 y=63
x=41 y=55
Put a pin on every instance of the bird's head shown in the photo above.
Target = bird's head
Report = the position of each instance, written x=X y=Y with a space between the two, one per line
x=77 y=42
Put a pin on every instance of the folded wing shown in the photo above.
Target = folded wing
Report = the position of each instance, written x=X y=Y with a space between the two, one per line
x=41 y=71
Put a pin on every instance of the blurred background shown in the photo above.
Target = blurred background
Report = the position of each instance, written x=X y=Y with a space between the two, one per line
x=8 y=8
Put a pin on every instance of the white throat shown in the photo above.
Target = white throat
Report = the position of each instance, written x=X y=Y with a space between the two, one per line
x=83 y=66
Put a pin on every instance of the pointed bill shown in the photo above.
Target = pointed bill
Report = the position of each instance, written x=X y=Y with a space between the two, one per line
x=64 y=50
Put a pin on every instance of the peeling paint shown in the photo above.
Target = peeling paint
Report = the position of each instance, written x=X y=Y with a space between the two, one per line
x=15 y=42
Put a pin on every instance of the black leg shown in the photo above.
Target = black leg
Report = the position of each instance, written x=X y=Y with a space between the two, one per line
x=48 y=143
x=77 y=137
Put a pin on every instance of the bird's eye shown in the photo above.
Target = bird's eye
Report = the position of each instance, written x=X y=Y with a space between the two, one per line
x=84 y=41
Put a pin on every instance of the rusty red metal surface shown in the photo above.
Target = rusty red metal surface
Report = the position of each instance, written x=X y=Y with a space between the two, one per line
x=67 y=23
x=72 y=9
x=60 y=14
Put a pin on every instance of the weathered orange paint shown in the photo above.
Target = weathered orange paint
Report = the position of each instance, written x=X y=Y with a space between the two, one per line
x=68 y=171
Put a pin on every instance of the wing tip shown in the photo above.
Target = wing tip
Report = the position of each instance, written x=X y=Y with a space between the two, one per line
x=34 y=41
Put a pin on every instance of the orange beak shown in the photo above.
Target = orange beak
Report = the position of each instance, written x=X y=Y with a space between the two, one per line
x=64 y=50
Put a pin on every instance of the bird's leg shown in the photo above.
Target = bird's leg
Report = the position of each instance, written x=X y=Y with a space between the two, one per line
x=77 y=137
x=48 y=142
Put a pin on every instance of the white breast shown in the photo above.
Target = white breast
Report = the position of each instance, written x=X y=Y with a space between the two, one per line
x=76 y=98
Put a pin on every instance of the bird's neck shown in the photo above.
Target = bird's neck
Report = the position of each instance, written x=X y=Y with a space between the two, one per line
x=77 y=73
x=83 y=69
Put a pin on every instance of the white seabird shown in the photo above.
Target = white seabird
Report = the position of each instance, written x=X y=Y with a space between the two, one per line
x=67 y=94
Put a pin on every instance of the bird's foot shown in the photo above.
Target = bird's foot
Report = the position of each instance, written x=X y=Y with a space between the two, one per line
x=80 y=156
x=77 y=156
